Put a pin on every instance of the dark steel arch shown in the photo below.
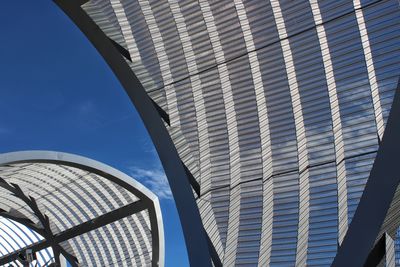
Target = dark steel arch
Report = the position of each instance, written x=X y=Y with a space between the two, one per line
x=147 y=200
x=195 y=236
x=377 y=196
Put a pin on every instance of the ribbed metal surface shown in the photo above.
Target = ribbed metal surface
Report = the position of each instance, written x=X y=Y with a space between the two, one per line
x=14 y=236
x=277 y=108
x=70 y=196
x=390 y=252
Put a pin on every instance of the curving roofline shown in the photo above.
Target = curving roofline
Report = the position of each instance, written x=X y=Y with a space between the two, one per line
x=109 y=173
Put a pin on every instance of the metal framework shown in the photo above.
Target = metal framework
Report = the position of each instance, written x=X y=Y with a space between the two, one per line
x=18 y=164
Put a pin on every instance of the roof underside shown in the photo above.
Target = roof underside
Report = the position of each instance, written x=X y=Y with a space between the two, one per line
x=71 y=197
x=277 y=109
x=14 y=236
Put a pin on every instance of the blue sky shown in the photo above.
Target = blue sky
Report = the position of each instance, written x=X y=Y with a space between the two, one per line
x=56 y=93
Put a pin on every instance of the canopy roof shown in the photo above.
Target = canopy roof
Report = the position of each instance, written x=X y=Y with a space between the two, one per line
x=87 y=212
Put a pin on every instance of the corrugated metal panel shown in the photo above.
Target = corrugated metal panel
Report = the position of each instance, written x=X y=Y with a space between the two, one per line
x=84 y=196
x=257 y=92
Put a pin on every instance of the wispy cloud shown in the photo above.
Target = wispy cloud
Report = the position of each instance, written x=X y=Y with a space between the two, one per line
x=86 y=107
x=154 y=179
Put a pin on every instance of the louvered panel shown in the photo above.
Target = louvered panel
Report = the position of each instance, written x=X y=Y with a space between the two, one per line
x=280 y=116
x=170 y=40
x=228 y=29
x=93 y=210
x=138 y=255
x=184 y=151
x=190 y=103
x=249 y=227
x=355 y=102
x=368 y=2
x=187 y=113
x=233 y=228
x=144 y=44
x=314 y=97
x=134 y=60
x=384 y=37
x=35 y=178
x=322 y=216
x=217 y=131
x=110 y=17
x=261 y=22
x=243 y=100
x=219 y=174
x=297 y=16
x=144 y=229
x=227 y=92
x=10 y=202
x=389 y=251
x=331 y=10
x=267 y=223
x=198 y=35
x=214 y=210
x=103 y=14
x=247 y=120
x=115 y=200
x=358 y=170
x=285 y=219
x=73 y=213
x=304 y=217
x=220 y=204
x=392 y=222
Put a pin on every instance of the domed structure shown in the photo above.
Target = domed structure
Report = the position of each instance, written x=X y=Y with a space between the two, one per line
x=59 y=208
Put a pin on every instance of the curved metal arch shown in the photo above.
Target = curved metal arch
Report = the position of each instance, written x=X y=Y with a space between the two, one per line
x=194 y=234
x=377 y=196
x=109 y=173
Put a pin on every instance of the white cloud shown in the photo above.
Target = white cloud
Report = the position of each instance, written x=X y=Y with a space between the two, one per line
x=154 y=179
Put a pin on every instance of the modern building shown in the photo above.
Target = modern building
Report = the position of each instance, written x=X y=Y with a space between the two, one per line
x=267 y=116
x=58 y=208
